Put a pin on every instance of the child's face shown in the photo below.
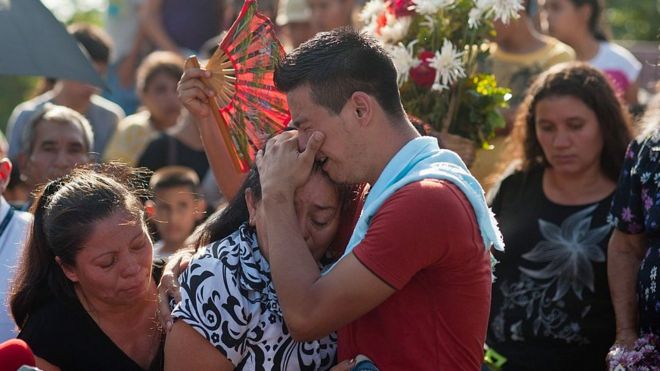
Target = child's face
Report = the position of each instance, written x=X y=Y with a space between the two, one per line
x=161 y=100
x=177 y=211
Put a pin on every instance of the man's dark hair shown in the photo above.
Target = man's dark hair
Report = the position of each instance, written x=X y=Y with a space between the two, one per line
x=94 y=39
x=338 y=63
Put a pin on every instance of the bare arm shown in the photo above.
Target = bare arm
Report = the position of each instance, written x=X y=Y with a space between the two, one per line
x=152 y=25
x=195 y=95
x=625 y=253
x=313 y=305
x=186 y=349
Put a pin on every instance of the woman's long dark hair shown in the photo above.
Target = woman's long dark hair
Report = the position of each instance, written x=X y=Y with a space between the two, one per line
x=225 y=222
x=590 y=86
x=65 y=212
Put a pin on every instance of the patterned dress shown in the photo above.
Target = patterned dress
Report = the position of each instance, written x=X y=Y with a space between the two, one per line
x=227 y=296
x=635 y=210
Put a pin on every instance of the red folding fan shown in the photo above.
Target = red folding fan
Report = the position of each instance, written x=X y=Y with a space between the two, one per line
x=247 y=106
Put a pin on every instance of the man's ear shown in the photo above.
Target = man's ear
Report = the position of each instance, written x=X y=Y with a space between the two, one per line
x=68 y=271
x=362 y=106
x=150 y=208
x=5 y=173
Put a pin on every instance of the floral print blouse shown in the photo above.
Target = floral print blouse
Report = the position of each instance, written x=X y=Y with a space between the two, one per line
x=635 y=210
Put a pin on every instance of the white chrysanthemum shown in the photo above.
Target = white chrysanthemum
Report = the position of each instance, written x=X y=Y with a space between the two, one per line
x=431 y=6
x=448 y=66
x=404 y=60
x=477 y=13
x=372 y=9
x=395 y=28
x=505 y=10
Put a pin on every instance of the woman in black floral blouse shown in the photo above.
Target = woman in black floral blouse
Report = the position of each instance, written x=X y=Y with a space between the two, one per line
x=634 y=249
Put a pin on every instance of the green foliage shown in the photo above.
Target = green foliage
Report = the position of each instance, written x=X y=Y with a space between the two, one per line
x=634 y=19
x=14 y=91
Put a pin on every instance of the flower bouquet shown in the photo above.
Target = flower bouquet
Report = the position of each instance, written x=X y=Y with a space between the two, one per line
x=644 y=357
x=437 y=46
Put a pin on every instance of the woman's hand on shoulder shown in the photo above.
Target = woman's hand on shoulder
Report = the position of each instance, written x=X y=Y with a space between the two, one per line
x=169 y=285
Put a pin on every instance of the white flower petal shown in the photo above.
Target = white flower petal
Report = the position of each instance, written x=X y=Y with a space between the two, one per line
x=431 y=6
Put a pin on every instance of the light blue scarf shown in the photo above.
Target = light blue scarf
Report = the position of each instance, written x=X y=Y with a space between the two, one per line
x=419 y=159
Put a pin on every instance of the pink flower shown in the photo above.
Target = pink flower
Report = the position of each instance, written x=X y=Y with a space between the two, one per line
x=423 y=75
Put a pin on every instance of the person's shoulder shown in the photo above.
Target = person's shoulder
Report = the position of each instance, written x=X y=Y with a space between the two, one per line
x=427 y=196
x=557 y=52
x=53 y=316
x=105 y=106
x=619 y=54
x=29 y=107
x=227 y=251
x=137 y=122
x=23 y=218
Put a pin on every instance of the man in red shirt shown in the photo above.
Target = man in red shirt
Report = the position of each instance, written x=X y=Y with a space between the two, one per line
x=413 y=290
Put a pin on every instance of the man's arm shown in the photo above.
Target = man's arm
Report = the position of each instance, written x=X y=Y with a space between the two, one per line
x=315 y=305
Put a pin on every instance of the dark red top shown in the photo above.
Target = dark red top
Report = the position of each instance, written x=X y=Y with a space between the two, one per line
x=425 y=243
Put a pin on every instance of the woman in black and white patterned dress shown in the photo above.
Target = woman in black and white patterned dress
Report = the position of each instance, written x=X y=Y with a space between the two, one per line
x=229 y=315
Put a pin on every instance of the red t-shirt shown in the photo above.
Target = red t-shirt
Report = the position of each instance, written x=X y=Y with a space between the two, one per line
x=424 y=241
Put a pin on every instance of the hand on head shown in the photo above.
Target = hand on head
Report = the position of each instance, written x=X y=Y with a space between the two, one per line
x=282 y=167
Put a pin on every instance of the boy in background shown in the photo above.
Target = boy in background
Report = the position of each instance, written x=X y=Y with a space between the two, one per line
x=176 y=208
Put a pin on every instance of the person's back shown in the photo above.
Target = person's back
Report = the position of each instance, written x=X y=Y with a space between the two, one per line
x=436 y=261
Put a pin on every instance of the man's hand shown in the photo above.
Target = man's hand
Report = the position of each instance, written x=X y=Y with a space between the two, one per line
x=282 y=168
x=193 y=92
x=169 y=286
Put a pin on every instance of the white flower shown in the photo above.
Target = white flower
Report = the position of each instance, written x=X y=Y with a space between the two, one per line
x=373 y=9
x=395 y=29
x=498 y=10
x=480 y=8
x=505 y=10
x=448 y=66
x=403 y=59
x=431 y=6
